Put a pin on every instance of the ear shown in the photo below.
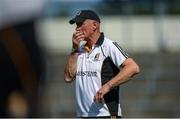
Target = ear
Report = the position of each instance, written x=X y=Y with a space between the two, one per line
x=94 y=26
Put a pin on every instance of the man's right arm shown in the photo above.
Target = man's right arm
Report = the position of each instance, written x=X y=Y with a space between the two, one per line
x=70 y=68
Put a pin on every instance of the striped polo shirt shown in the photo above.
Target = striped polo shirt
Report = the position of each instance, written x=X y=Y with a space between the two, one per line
x=94 y=69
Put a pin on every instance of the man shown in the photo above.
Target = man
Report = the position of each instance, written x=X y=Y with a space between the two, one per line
x=98 y=69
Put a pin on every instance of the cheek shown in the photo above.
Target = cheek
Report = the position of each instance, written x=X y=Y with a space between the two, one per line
x=88 y=31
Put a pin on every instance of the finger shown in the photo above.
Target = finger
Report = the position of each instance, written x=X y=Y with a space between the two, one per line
x=78 y=33
x=96 y=98
x=78 y=29
x=75 y=34
x=80 y=37
x=99 y=97
x=77 y=37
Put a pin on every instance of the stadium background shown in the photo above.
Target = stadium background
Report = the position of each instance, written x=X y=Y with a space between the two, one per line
x=147 y=29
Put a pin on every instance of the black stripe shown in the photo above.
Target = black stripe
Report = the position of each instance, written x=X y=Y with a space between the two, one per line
x=108 y=71
x=103 y=52
x=121 y=50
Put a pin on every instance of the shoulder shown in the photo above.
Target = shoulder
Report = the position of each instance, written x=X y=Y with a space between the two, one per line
x=108 y=45
x=113 y=47
x=108 y=42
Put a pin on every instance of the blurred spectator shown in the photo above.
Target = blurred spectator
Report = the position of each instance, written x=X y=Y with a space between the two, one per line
x=21 y=62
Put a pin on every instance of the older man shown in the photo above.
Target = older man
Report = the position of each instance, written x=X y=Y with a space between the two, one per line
x=98 y=67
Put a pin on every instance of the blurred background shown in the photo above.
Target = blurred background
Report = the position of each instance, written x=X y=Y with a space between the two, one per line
x=35 y=40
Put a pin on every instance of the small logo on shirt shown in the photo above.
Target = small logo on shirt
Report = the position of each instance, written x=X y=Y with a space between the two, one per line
x=96 y=58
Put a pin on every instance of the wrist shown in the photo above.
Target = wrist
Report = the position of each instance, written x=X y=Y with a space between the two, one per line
x=110 y=86
x=75 y=50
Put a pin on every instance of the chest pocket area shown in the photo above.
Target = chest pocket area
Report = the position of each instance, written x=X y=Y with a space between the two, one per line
x=96 y=62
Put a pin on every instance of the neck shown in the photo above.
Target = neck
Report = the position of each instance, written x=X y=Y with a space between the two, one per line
x=93 y=38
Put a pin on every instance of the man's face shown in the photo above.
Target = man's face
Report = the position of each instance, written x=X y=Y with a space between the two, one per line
x=86 y=27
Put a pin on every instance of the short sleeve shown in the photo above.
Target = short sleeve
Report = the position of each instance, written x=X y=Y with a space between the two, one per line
x=117 y=54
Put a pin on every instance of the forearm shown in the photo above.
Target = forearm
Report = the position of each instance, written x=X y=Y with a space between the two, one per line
x=129 y=69
x=70 y=68
x=127 y=72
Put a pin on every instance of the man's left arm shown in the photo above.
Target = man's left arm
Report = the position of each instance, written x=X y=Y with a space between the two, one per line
x=129 y=68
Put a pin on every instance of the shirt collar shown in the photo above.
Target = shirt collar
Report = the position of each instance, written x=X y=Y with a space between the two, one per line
x=100 y=39
x=98 y=43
